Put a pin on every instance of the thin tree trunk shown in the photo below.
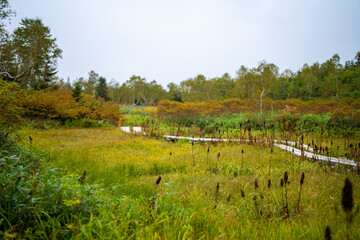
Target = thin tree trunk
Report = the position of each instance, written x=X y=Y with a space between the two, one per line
x=261 y=96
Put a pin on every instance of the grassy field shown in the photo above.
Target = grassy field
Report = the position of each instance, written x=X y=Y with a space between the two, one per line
x=205 y=192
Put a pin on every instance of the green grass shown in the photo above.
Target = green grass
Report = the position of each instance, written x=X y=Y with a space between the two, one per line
x=185 y=204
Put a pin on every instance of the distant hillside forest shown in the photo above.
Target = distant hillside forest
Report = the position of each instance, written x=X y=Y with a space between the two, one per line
x=328 y=80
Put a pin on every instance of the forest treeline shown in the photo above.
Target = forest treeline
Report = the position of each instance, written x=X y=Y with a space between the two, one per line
x=328 y=80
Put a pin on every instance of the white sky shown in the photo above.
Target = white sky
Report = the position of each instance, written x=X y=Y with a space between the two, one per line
x=173 y=40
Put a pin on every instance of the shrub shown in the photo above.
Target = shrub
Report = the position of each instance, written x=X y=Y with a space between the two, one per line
x=12 y=99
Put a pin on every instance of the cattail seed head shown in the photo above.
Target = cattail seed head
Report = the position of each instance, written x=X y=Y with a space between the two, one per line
x=269 y=183
x=228 y=198
x=261 y=196
x=327 y=233
x=170 y=153
x=302 y=179
x=285 y=177
x=82 y=178
x=282 y=182
x=242 y=193
x=347 y=196
x=30 y=138
x=218 y=155
x=256 y=184
x=158 y=180
x=208 y=150
x=272 y=150
x=242 y=151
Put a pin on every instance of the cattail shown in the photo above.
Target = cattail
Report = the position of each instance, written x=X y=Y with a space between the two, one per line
x=272 y=150
x=30 y=138
x=347 y=196
x=302 y=179
x=217 y=194
x=327 y=233
x=228 y=198
x=285 y=177
x=269 y=183
x=242 y=151
x=282 y=182
x=256 y=184
x=242 y=193
x=158 y=180
x=170 y=153
x=218 y=155
x=301 y=183
x=82 y=178
x=302 y=138
x=207 y=155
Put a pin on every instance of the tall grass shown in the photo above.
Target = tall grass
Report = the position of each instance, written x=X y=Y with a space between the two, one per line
x=124 y=169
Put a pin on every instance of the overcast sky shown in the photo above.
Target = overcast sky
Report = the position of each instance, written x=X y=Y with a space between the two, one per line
x=173 y=40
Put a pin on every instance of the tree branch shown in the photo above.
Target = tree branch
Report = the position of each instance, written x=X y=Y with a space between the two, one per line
x=9 y=75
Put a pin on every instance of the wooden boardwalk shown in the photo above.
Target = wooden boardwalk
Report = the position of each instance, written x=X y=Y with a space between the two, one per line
x=287 y=146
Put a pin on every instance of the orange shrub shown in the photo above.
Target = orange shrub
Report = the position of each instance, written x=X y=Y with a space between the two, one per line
x=59 y=104
x=12 y=99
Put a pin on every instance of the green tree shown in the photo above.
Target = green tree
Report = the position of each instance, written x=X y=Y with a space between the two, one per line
x=101 y=89
x=137 y=85
x=5 y=14
x=89 y=85
x=36 y=54
x=174 y=92
x=154 y=93
x=194 y=89
x=267 y=76
x=77 y=91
